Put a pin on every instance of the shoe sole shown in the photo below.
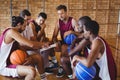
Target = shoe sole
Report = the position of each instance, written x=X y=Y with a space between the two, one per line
x=48 y=73
x=59 y=76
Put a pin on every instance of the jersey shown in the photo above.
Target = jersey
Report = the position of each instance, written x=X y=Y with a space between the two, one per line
x=5 y=51
x=106 y=63
x=65 y=27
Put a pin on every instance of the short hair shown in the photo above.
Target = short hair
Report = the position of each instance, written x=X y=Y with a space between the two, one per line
x=85 y=19
x=16 y=20
x=61 y=7
x=92 y=26
x=24 y=12
x=43 y=15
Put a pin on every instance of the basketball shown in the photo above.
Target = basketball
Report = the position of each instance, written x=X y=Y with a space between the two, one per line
x=69 y=39
x=18 y=57
x=84 y=73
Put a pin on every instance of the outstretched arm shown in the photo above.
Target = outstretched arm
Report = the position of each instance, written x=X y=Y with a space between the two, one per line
x=12 y=34
x=95 y=51
x=80 y=46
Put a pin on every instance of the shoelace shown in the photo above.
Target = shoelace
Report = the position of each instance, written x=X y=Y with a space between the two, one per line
x=51 y=64
x=60 y=70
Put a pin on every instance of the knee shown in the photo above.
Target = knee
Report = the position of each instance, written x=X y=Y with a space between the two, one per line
x=38 y=57
x=63 y=60
x=32 y=72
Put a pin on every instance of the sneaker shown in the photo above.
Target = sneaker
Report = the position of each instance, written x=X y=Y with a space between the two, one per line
x=52 y=64
x=48 y=71
x=60 y=72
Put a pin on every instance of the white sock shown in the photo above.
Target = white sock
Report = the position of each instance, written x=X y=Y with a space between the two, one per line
x=54 y=59
x=70 y=76
x=43 y=76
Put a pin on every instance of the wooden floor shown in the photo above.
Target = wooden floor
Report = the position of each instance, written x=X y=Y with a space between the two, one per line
x=114 y=45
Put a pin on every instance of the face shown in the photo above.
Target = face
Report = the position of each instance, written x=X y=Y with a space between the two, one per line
x=22 y=26
x=27 y=18
x=80 y=26
x=40 y=20
x=62 y=14
x=86 y=33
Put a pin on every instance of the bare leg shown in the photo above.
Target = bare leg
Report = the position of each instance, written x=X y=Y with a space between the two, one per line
x=38 y=61
x=65 y=61
x=27 y=71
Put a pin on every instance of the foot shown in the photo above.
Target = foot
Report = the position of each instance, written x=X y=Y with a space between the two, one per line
x=60 y=72
x=48 y=71
x=52 y=64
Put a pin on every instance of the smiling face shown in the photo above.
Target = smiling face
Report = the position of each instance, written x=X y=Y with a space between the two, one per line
x=62 y=14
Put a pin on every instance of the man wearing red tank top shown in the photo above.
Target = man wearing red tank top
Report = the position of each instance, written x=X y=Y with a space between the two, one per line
x=65 y=25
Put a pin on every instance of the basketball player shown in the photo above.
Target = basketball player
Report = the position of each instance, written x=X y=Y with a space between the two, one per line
x=10 y=43
x=66 y=25
x=98 y=52
x=35 y=30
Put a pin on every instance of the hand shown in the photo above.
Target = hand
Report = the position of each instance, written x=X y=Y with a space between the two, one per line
x=45 y=44
x=74 y=60
x=67 y=33
x=28 y=61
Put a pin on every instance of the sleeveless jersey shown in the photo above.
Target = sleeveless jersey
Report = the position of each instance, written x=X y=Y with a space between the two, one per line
x=106 y=63
x=65 y=26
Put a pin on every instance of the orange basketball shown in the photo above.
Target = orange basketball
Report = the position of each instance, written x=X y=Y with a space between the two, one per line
x=18 y=57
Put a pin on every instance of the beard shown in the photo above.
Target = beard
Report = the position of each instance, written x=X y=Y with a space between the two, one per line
x=62 y=19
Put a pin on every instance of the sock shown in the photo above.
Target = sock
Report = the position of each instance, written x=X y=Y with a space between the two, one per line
x=54 y=59
x=70 y=76
x=43 y=76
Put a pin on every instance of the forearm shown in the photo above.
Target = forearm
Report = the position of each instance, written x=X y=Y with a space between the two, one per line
x=37 y=45
x=74 y=50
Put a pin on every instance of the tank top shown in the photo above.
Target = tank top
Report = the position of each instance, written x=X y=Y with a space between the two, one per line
x=37 y=27
x=104 y=72
x=65 y=27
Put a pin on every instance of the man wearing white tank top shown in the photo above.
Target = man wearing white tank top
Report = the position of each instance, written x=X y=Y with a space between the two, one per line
x=99 y=52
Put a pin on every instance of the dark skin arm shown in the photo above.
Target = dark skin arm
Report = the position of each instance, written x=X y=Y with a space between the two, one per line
x=96 y=47
x=79 y=47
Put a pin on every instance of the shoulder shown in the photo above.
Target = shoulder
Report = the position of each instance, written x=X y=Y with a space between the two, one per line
x=11 y=32
x=98 y=43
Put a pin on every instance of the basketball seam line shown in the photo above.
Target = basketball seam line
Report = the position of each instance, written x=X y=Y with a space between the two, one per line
x=80 y=76
x=87 y=72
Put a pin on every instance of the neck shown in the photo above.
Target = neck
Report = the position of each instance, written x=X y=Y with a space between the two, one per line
x=66 y=19
x=93 y=37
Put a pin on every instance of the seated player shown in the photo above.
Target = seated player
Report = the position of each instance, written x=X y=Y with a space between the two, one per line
x=10 y=42
x=98 y=52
